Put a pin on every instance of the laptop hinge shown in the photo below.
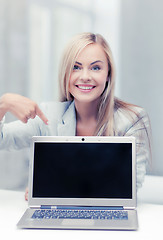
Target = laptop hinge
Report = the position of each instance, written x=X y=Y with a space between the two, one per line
x=83 y=207
x=47 y=207
x=129 y=208
x=35 y=207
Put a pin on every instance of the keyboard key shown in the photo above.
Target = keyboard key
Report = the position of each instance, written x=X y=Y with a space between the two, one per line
x=80 y=214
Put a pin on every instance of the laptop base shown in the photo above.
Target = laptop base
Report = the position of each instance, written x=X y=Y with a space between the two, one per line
x=27 y=222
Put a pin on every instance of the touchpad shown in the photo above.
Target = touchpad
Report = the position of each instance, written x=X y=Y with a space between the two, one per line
x=77 y=222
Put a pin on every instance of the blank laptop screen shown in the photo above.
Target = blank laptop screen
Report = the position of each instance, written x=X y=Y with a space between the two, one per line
x=82 y=170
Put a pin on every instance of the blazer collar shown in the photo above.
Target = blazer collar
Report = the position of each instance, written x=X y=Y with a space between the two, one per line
x=67 y=125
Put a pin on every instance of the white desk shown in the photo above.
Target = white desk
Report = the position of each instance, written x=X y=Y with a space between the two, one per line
x=13 y=205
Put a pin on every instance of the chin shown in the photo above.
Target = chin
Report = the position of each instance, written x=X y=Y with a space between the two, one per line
x=85 y=100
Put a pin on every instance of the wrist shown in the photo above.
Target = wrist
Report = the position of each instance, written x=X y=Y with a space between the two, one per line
x=3 y=106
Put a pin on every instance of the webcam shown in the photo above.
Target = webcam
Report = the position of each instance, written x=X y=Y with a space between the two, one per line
x=83 y=139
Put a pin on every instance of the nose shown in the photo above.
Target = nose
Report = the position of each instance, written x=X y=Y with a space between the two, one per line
x=85 y=75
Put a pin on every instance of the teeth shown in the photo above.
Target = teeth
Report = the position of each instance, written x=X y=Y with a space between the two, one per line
x=85 y=88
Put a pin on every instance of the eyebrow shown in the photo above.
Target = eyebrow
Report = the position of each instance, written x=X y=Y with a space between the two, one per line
x=91 y=63
x=79 y=63
x=96 y=62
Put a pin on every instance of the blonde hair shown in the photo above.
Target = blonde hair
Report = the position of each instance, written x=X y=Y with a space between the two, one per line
x=106 y=106
x=108 y=102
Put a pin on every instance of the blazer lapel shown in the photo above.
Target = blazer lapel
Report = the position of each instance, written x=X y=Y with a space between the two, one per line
x=67 y=126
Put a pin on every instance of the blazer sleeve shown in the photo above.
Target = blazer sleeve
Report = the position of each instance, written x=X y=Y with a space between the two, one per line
x=17 y=135
x=141 y=130
x=137 y=124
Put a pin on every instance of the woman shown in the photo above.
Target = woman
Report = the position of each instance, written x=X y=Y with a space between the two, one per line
x=88 y=105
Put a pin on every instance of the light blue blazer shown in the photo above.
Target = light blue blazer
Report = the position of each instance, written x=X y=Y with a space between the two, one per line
x=62 y=122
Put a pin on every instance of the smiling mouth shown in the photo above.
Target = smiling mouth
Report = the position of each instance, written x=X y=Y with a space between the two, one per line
x=85 y=87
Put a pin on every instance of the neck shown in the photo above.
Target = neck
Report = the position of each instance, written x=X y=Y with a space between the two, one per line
x=86 y=111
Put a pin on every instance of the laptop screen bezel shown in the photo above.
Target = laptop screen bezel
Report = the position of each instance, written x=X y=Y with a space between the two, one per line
x=125 y=203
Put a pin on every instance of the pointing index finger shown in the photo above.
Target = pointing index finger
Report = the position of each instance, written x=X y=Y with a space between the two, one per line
x=41 y=115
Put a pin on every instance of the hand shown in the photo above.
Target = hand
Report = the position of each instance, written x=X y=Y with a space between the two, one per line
x=21 y=107
x=26 y=194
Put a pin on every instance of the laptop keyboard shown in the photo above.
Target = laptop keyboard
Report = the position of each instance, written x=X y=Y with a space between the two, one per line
x=80 y=214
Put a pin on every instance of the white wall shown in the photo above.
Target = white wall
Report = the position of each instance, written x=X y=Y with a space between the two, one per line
x=33 y=34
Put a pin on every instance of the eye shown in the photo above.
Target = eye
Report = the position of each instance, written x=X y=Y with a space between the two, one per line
x=76 y=67
x=96 y=68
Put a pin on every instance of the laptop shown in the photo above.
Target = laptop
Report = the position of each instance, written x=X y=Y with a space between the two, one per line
x=82 y=183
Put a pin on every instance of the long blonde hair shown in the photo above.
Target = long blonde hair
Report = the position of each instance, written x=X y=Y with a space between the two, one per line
x=108 y=102
x=106 y=105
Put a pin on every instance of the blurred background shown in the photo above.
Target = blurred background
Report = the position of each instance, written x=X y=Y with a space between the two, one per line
x=33 y=34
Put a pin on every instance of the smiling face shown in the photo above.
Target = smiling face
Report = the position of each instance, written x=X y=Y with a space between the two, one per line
x=90 y=74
